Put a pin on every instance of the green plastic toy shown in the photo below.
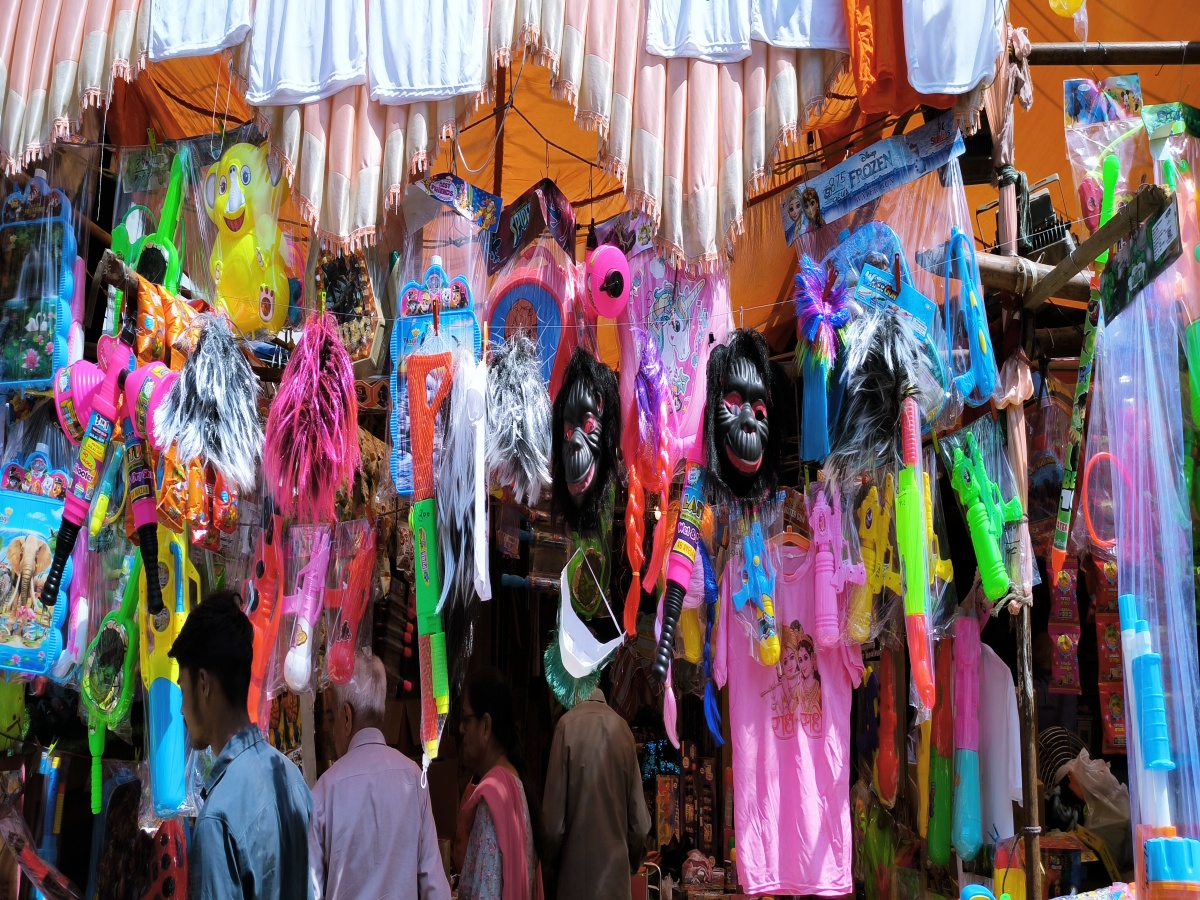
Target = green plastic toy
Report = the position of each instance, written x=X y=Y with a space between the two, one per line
x=987 y=513
x=108 y=674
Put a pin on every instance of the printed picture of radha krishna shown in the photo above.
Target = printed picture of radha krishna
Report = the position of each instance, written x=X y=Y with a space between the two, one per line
x=797 y=695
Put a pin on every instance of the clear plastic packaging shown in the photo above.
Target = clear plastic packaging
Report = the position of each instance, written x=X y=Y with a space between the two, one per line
x=348 y=595
x=1140 y=376
x=306 y=562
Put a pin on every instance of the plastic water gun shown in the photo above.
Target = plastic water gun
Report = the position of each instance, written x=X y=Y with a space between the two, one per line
x=875 y=547
x=910 y=536
x=85 y=474
x=978 y=382
x=1110 y=174
x=106 y=684
x=305 y=605
x=986 y=515
x=164 y=264
x=104 y=494
x=887 y=760
x=968 y=821
x=680 y=561
x=54 y=794
x=140 y=498
x=350 y=599
x=1171 y=863
x=831 y=565
x=979 y=892
x=264 y=607
x=941 y=760
x=758 y=587
x=939 y=569
x=160 y=675
x=924 y=754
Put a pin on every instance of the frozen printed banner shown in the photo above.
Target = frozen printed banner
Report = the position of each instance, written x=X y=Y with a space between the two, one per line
x=868 y=175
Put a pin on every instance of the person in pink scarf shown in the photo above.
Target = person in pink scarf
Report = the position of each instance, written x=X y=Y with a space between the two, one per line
x=496 y=850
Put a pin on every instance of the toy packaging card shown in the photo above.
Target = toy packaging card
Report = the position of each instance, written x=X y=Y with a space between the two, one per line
x=31 y=509
x=38 y=275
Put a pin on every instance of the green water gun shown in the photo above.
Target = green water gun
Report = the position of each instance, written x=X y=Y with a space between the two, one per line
x=986 y=512
x=154 y=255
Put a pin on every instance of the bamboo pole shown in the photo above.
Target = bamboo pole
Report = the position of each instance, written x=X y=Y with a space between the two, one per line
x=1134 y=53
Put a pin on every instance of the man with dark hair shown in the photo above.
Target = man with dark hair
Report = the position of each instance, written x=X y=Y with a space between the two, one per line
x=251 y=836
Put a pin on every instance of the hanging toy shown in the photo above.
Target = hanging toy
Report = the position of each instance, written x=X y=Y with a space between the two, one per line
x=607 y=276
x=822 y=313
x=211 y=410
x=311 y=447
x=519 y=417
x=586 y=426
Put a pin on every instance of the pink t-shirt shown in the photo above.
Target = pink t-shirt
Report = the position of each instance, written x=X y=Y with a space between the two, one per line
x=791 y=742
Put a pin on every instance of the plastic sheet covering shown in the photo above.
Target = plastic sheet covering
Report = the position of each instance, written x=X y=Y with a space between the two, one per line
x=1140 y=378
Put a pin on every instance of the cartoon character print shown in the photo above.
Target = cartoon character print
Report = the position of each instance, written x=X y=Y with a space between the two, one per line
x=677 y=323
x=796 y=697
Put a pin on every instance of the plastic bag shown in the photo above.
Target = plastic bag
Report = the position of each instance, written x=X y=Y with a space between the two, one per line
x=348 y=595
x=1106 y=798
x=306 y=561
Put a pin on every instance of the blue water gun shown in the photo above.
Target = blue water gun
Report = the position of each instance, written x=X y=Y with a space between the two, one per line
x=978 y=381
x=758 y=587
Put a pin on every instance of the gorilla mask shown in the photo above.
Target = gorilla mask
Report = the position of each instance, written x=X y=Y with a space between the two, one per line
x=742 y=448
x=586 y=429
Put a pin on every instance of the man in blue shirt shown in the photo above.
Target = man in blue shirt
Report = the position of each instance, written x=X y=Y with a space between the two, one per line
x=251 y=836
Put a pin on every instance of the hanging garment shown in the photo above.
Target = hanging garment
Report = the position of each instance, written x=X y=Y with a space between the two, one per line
x=999 y=747
x=187 y=28
x=425 y=51
x=791 y=744
x=700 y=29
x=804 y=24
x=877 y=58
x=302 y=51
x=952 y=45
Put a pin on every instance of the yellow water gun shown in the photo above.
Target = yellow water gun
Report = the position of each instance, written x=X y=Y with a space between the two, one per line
x=160 y=674
x=942 y=569
x=875 y=547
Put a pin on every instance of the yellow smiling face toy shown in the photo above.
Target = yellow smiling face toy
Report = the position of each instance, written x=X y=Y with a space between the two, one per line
x=243 y=193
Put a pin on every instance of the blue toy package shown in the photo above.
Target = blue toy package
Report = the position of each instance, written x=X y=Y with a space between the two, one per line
x=437 y=301
x=31 y=508
x=37 y=284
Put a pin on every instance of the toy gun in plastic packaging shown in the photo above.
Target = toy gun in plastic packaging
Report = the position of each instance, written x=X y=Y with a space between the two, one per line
x=967 y=821
x=831 y=563
x=911 y=538
x=886 y=773
x=875 y=548
x=680 y=562
x=939 y=569
x=264 y=607
x=986 y=515
x=349 y=600
x=431 y=639
x=758 y=588
x=306 y=605
x=941 y=759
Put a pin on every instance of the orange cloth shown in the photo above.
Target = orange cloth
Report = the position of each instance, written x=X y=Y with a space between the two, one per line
x=878 y=60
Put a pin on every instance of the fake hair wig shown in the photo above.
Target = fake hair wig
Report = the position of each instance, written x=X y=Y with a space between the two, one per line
x=728 y=483
x=518 y=432
x=601 y=381
x=211 y=412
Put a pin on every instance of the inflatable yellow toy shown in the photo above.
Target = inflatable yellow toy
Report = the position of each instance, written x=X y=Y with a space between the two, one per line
x=243 y=194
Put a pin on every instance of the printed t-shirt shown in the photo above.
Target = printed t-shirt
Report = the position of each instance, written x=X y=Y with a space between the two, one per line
x=791 y=742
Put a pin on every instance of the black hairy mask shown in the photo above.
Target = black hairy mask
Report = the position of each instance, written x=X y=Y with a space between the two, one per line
x=742 y=441
x=586 y=433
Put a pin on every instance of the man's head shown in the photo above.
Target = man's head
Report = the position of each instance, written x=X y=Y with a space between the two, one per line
x=214 y=650
x=359 y=703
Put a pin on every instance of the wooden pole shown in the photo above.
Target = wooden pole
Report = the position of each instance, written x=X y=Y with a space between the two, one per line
x=1134 y=53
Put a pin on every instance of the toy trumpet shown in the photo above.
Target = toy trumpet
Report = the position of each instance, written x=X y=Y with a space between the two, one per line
x=911 y=538
x=986 y=515
x=758 y=587
x=831 y=565
x=680 y=562
x=305 y=604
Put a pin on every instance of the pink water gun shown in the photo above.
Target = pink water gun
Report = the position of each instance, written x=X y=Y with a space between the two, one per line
x=350 y=600
x=968 y=824
x=831 y=564
x=305 y=604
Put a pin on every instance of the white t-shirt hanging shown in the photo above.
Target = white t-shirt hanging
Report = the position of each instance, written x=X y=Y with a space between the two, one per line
x=425 y=51
x=800 y=24
x=181 y=28
x=952 y=45
x=714 y=30
x=304 y=50
x=999 y=747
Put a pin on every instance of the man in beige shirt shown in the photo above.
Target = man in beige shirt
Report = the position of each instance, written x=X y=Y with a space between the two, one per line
x=595 y=815
x=372 y=833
